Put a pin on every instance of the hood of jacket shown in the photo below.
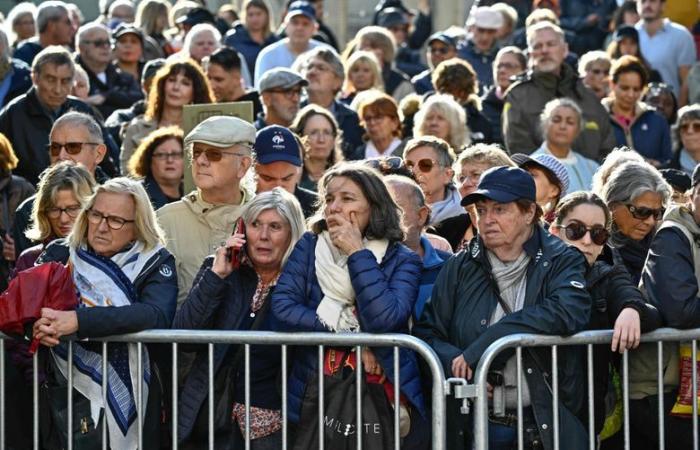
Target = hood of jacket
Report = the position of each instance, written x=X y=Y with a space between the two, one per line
x=684 y=217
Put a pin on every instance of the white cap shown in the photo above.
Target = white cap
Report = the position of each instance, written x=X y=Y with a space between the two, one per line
x=485 y=17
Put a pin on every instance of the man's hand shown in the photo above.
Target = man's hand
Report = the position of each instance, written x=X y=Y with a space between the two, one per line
x=460 y=368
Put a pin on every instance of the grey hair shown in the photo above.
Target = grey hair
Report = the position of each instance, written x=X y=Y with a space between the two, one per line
x=48 y=11
x=148 y=231
x=490 y=154
x=16 y=13
x=78 y=119
x=197 y=29
x=540 y=26
x=591 y=57
x=615 y=158
x=5 y=44
x=55 y=55
x=552 y=105
x=415 y=191
x=286 y=205
x=445 y=154
x=328 y=56
x=686 y=114
x=117 y=3
x=631 y=180
x=452 y=111
x=87 y=28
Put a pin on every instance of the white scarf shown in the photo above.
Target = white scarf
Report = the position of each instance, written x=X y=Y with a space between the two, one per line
x=337 y=308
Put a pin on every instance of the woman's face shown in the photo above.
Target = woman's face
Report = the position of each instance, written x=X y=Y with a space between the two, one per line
x=378 y=52
x=433 y=181
x=361 y=76
x=597 y=78
x=379 y=126
x=320 y=138
x=469 y=176
x=628 y=46
x=630 y=18
x=24 y=27
x=167 y=163
x=128 y=48
x=435 y=124
x=179 y=91
x=267 y=239
x=637 y=228
x=690 y=135
x=627 y=90
x=103 y=239
x=203 y=44
x=255 y=18
x=501 y=224
x=664 y=103
x=547 y=192
x=345 y=198
x=563 y=127
x=589 y=216
x=62 y=224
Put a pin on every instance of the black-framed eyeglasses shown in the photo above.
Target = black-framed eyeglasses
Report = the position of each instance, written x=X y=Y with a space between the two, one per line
x=71 y=211
x=575 y=231
x=643 y=213
x=114 y=222
x=72 y=148
x=289 y=93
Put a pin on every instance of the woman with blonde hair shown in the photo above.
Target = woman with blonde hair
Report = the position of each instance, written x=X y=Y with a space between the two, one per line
x=153 y=19
x=380 y=41
x=20 y=24
x=362 y=72
x=441 y=116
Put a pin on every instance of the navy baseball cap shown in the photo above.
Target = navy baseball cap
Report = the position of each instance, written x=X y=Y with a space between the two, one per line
x=503 y=185
x=275 y=143
x=302 y=8
x=443 y=37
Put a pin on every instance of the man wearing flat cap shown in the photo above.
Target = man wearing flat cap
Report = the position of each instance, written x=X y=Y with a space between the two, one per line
x=220 y=150
x=280 y=93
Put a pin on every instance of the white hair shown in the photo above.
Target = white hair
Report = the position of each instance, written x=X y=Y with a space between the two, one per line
x=197 y=29
x=87 y=28
x=16 y=13
x=453 y=112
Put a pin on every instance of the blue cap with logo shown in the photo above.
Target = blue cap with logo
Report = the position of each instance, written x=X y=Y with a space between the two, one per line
x=301 y=8
x=275 y=143
x=503 y=185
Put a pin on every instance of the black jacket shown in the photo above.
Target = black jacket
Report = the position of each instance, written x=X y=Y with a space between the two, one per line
x=349 y=123
x=156 y=194
x=307 y=200
x=121 y=90
x=492 y=110
x=455 y=322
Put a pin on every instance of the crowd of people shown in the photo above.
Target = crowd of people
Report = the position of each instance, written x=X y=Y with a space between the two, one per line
x=534 y=170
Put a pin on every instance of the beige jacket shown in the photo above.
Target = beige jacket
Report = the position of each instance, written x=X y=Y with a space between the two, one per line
x=194 y=229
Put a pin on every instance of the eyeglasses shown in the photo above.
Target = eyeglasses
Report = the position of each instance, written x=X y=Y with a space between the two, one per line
x=289 y=93
x=425 y=165
x=212 y=154
x=439 y=50
x=643 y=213
x=390 y=162
x=114 y=222
x=368 y=119
x=472 y=178
x=71 y=211
x=99 y=42
x=575 y=231
x=686 y=127
x=72 y=148
x=166 y=156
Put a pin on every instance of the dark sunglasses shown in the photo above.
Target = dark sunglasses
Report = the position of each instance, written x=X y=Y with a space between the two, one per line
x=72 y=148
x=439 y=50
x=212 y=154
x=695 y=126
x=425 y=165
x=391 y=162
x=575 y=231
x=642 y=213
x=99 y=42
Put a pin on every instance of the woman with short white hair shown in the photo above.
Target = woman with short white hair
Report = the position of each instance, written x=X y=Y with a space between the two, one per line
x=441 y=116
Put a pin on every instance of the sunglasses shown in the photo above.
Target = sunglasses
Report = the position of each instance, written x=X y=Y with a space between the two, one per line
x=391 y=163
x=99 y=42
x=212 y=154
x=72 y=148
x=642 y=213
x=598 y=71
x=439 y=50
x=425 y=165
x=575 y=231
x=695 y=126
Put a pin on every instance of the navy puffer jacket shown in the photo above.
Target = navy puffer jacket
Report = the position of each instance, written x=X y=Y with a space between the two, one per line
x=386 y=293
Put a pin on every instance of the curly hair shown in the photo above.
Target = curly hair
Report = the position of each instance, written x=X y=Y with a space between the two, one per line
x=140 y=161
x=201 y=90
x=458 y=78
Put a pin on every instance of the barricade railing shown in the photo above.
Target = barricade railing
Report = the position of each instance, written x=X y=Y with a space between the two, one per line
x=479 y=390
x=247 y=338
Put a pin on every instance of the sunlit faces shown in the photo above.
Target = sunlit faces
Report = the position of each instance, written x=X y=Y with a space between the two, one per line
x=179 y=90
x=547 y=51
x=203 y=44
x=319 y=138
x=321 y=76
x=631 y=226
x=434 y=181
x=469 y=176
x=361 y=76
x=224 y=83
x=627 y=90
x=53 y=84
x=590 y=216
x=63 y=212
x=167 y=162
x=438 y=52
x=435 y=124
x=267 y=239
x=90 y=155
x=345 y=198
x=95 y=46
x=500 y=224
x=277 y=174
x=210 y=176
x=506 y=66
x=300 y=29
x=546 y=191
x=103 y=238
x=128 y=48
x=690 y=136
x=563 y=127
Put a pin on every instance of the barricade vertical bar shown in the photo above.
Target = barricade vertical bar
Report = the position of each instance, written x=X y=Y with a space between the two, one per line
x=660 y=387
x=210 y=406
x=174 y=408
x=139 y=392
x=321 y=400
x=358 y=395
x=519 y=384
x=2 y=394
x=555 y=396
x=397 y=400
x=70 y=395
x=284 y=397
x=626 y=398
x=246 y=389
x=591 y=419
x=105 y=379
x=695 y=394
x=35 y=400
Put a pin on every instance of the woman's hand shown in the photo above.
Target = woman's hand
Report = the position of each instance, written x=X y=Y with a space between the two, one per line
x=371 y=365
x=460 y=368
x=54 y=324
x=345 y=235
x=627 y=330
x=222 y=266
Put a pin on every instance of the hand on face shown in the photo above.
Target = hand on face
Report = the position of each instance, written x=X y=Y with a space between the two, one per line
x=345 y=234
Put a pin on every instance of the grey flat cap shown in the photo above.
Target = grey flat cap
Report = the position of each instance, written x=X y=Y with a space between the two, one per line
x=222 y=131
x=281 y=78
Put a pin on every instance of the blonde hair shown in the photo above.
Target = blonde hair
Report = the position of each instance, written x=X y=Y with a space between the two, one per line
x=378 y=37
x=148 y=231
x=453 y=112
x=363 y=57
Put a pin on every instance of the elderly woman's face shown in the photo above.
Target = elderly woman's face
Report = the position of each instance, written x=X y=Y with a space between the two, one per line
x=179 y=90
x=501 y=224
x=167 y=162
x=435 y=124
x=267 y=239
x=468 y=178
x=639 y=217
x=379 y=126
x=547 y=192
x=111 y=223
x=690 y=136
x=345 y=198
x=562 y=127
x=63 y=212
x=590 y=216
x=319 y=137
x=24 y=27
x=203 y=45
x=128 y=48
x=430 y=175
x=361 y=76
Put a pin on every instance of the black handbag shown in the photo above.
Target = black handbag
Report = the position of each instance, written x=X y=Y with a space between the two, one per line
x=340 y=417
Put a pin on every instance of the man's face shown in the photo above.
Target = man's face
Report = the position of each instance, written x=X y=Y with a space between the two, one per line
x=216 y=168
x=504 y=67
x=95 y=47
x=61 y=30
x=438 y=52
x=90 y=155
x=277 y=174
x=281 y=105
x=321 y=77
x=53 y=84
x=300 y=29
x=650 y=9
x=483 y=38
x=547 y=51
x=224 y=83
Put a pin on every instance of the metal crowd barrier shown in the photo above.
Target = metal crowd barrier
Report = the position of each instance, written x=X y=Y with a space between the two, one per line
x=248 y=338
x=588 y=338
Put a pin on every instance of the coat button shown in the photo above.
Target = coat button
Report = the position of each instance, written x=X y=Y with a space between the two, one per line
x=544 y=426
x=546 y=263
x=483 y=321
x=529 y=370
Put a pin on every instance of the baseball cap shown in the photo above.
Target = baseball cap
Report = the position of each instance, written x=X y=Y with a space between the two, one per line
x=195 y=16
x=486 y=17
x=275 y=143
x=626 y=31
x=678 y=179
x=546 y=162
x=222 y=131
x=391 y=17
x=301 y=8
x=125 y=28
x=444 y=38
x=281 y=77
x=503 y=185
